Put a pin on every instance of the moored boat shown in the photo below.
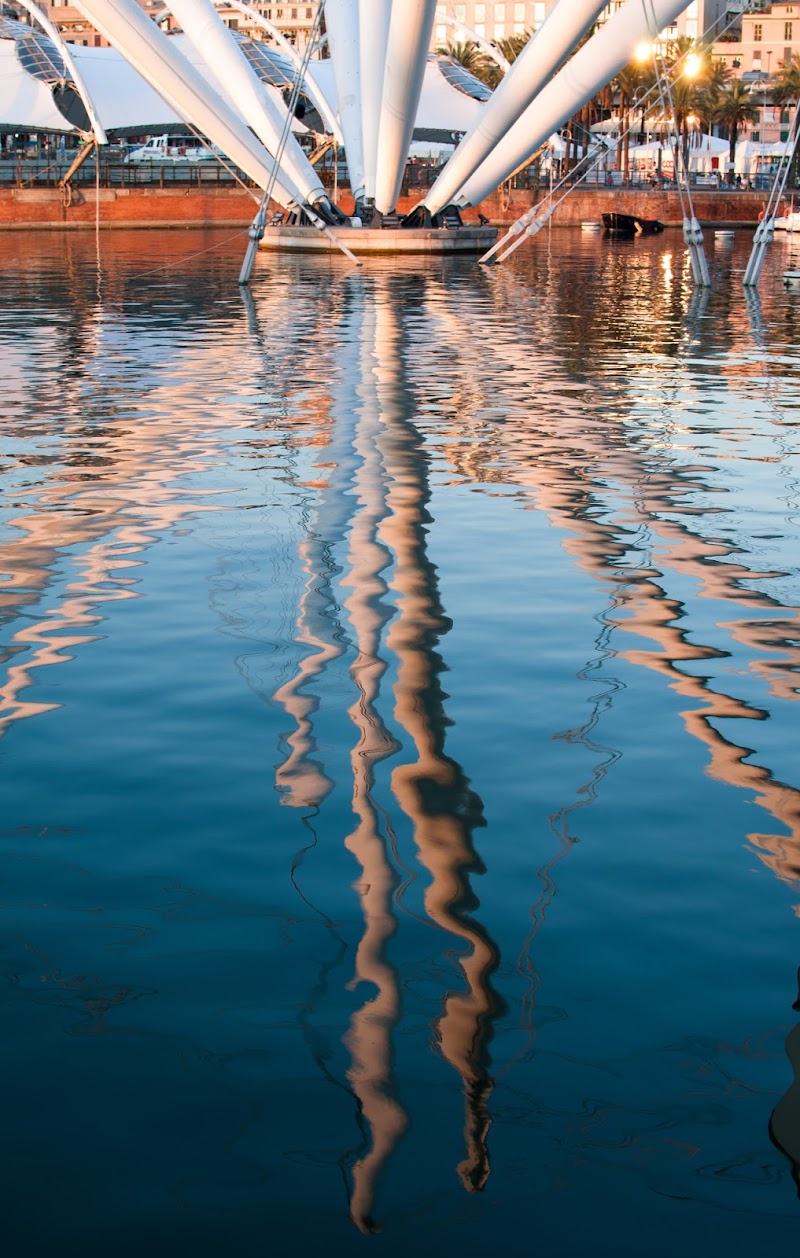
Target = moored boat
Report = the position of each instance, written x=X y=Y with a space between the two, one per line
x=626 y=226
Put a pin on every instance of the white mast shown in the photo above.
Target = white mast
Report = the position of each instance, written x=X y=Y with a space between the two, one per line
x=406 y=57
x=594 y=65
x=205 y=29
x=535 y=65
x=342 y=22
x=47 y=26
x=310 y=87
x=374 y=18
x=159 y=62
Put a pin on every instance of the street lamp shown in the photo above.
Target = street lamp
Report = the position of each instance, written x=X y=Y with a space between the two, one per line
x=692 y=65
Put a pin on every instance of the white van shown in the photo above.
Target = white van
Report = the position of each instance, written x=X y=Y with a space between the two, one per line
x=171 y=148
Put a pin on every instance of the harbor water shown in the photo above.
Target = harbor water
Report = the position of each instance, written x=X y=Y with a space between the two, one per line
x=400 y=828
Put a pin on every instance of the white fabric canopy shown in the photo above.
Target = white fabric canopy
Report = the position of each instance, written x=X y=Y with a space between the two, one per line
x=124 y=100
x=442 y=107
x=121 y=96
x=26 y=103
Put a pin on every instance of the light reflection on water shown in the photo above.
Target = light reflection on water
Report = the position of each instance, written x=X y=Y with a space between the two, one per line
x=359 y=856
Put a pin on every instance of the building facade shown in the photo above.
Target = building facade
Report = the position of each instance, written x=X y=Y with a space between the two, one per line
x=75 y=27
x=768 y=37
x=292 y=20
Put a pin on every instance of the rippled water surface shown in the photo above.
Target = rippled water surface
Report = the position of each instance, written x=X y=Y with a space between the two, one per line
x=400 y=826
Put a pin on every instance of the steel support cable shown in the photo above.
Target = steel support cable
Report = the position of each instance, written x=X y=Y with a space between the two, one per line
x=256 y=232
x=526 y=224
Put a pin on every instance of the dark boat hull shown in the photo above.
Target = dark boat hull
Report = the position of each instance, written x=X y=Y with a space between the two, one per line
x=626 y=226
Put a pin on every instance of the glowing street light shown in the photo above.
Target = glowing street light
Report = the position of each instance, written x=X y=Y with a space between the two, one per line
x=692 y=65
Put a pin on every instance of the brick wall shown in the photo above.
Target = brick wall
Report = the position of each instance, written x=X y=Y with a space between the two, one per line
x=177 y=207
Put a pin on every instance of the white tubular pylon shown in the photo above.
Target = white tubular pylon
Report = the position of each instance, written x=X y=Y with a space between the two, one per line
x=374 y=18
x=406 y=57
x=342 y=21
x=535 y=65
x=592 y=66
x=53 y=32
x=208 y=34
x=128 y=29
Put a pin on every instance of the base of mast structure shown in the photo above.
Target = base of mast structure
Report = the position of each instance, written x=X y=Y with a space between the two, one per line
x=381 y=240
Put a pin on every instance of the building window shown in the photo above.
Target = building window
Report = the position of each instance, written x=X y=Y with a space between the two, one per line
x=787 y=30
x=499 y=30
x=480 y=12
x=441 y=35
x=538 y=13
x=757 y=32
x=519 y=12
x=480 y=29
x=499 y=13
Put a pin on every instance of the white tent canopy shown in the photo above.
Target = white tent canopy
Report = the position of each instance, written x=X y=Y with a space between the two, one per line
x=26 y=103
x=124 y=101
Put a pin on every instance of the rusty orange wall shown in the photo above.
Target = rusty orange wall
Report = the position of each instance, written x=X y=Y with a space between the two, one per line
x=192 y=207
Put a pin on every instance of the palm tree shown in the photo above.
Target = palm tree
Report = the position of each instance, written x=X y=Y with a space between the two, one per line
x=787 y=92
x=469 y=55
x=711 y=90
x=733 y=109
x=510 y=48
x=630 y=84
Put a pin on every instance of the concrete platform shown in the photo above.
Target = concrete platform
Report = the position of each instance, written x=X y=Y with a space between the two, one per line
x=363 y=240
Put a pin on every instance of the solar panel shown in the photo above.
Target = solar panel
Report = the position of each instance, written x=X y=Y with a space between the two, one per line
x=462 y=80
x=38 y=55
x=270 y=66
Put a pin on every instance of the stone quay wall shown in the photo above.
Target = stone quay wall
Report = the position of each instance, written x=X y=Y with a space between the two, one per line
x=25 y=208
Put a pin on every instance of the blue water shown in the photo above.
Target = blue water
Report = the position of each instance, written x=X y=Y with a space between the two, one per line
x=400 y=828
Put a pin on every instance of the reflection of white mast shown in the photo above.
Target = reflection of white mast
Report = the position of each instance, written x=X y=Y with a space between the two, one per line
x=433 y=791
x=301 y=779
x=369 y=1038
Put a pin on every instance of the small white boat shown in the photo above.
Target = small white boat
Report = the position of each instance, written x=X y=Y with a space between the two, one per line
x=792 y=279
x=788 y=222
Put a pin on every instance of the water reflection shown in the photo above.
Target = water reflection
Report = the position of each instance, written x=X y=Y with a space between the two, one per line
x=611 y=436
x=378 y=486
